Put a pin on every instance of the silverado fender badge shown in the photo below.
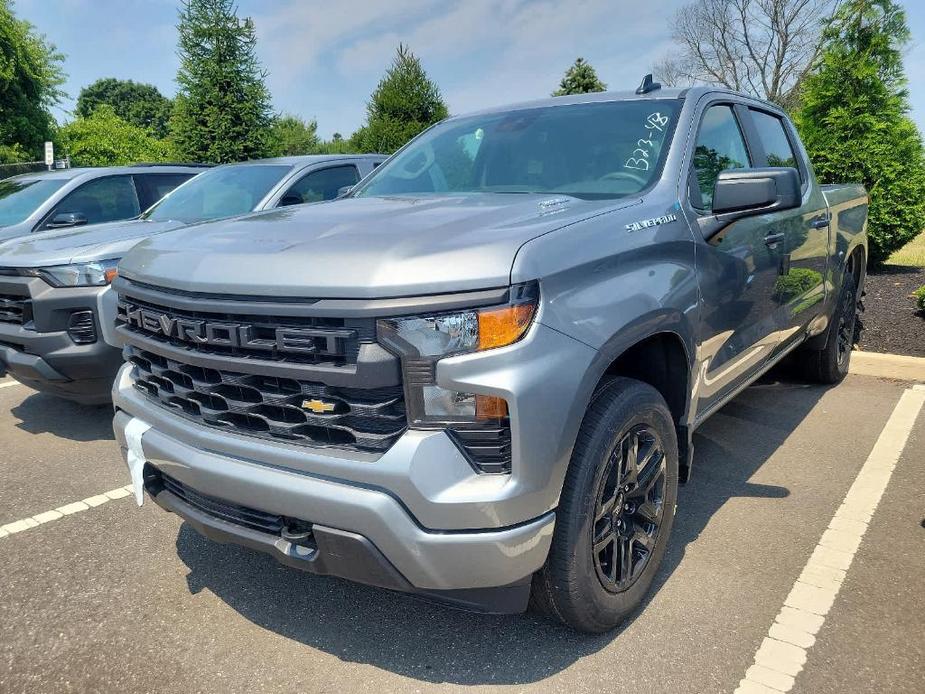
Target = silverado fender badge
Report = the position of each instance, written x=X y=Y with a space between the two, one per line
x=653 y=222
x=318 y=406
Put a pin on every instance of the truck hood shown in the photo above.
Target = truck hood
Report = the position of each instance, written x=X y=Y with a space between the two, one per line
x=359 y=247
x=81 y=244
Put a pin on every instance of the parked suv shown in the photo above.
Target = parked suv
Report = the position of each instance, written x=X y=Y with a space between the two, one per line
x=479 y=373
x=39 y=202
x=56 y=309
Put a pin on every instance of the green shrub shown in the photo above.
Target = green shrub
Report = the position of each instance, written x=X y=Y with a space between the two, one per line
x=104 y=139
x=919 y=295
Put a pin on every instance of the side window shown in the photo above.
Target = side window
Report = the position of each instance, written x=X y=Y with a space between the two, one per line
x=720 y=146
x=152 y=187
x=106 y=199
x=321 y=185
x=774 y=139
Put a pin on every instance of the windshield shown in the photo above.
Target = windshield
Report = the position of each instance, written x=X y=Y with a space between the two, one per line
x=19 y=199
x=594 y=151
x=222 y=192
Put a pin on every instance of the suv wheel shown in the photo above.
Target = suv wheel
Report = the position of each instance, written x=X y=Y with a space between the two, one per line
x=616 y=509
x=830 y=364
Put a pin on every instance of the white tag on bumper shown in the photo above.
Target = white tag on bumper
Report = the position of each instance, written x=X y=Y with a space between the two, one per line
x=135 y=458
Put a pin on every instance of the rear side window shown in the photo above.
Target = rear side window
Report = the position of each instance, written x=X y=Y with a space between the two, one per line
x=321 y=185
x=107 y=199
x=774 y=140
x=720 y=146
x=152 y=187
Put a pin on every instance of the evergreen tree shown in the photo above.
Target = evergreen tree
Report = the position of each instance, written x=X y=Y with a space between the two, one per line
x=854 y=119
x=404 y=103
x=222 y=110
x=30 y=78
x=139 y=104
x=580 y=78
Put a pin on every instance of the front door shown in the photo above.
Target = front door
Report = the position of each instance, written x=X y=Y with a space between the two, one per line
x=739 y=267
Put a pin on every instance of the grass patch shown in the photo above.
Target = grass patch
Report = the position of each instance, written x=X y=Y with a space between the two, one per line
x=910 y=255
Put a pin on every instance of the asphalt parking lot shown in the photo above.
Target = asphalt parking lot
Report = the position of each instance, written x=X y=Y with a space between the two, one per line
x=117 y=598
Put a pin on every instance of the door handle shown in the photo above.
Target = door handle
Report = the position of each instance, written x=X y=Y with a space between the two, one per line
x=821 y=222
x=773 y=239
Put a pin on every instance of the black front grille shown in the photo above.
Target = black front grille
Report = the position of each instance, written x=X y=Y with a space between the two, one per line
x=156 y=481
x=488 y=448
x=290 y=339
x=15 y=309
x=281 y=409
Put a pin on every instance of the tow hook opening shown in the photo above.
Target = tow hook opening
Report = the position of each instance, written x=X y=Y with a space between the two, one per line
x=299 y=534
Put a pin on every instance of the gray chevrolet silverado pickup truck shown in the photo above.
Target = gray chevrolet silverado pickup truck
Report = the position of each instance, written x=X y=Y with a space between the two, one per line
x=476 y=377
x=56 y=306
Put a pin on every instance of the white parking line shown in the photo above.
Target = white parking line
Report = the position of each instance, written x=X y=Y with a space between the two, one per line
x=9 y=384
x=66 y=510
x=783 y=652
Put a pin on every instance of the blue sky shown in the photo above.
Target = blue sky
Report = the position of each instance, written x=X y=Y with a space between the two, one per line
x=324 y=58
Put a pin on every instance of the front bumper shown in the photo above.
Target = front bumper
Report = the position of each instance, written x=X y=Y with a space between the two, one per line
x=41 y=354
x=437 y=522
x=362 y=534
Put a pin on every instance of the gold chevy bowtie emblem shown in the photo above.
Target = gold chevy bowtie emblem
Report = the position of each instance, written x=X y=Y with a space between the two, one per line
x=318 y=406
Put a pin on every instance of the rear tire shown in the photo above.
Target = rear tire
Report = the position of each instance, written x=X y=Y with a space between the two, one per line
x=615 y=512
x=830 y=364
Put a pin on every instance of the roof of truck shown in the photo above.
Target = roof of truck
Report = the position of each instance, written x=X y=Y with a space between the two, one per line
x=598 y=97
x=98 y=171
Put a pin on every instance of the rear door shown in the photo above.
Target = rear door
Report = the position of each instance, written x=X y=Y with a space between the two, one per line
x=800 y=287
x=738 y=264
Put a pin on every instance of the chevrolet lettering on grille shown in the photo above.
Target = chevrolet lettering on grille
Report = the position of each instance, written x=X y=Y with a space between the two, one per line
x=316 y=341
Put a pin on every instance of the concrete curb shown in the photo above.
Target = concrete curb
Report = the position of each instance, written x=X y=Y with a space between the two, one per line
x=894 y=366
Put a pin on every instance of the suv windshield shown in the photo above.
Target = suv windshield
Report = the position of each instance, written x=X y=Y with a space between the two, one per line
x=594 y=151
x=222 y=192
x=19 y=199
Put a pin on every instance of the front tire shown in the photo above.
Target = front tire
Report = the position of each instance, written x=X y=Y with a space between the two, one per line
x=616 y=509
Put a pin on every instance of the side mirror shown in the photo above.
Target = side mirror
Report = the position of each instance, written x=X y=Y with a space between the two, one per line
x=343 y=190
x=67 y=219
x=290 y=199
x=756 y=191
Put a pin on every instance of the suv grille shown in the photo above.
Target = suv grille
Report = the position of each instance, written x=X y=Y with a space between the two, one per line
x=299 y=340
x=15 y=309
x=281 y=409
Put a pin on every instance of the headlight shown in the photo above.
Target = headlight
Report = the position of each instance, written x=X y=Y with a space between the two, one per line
x=96 y=274
x=422 y=341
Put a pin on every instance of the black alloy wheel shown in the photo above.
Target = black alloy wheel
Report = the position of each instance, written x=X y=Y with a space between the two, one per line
x=629 y=509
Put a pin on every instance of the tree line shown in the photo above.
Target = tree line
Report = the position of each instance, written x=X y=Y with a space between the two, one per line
x=835 y=65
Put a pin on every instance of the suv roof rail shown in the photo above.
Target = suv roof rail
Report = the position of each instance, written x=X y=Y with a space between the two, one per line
x=195 y=164
x=647 y=85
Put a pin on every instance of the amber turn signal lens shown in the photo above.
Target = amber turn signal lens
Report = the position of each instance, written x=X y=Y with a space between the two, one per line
x=502 y=326
x=490 y=407
x=110 y=274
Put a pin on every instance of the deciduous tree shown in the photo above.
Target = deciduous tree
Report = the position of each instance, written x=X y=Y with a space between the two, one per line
x=291 y=135
x=30 y=79
x=762 y=47
x=104 y=139
x=139 y=104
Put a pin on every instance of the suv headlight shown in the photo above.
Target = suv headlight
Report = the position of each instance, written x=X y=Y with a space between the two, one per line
x=421 y=341
x=95 y=274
